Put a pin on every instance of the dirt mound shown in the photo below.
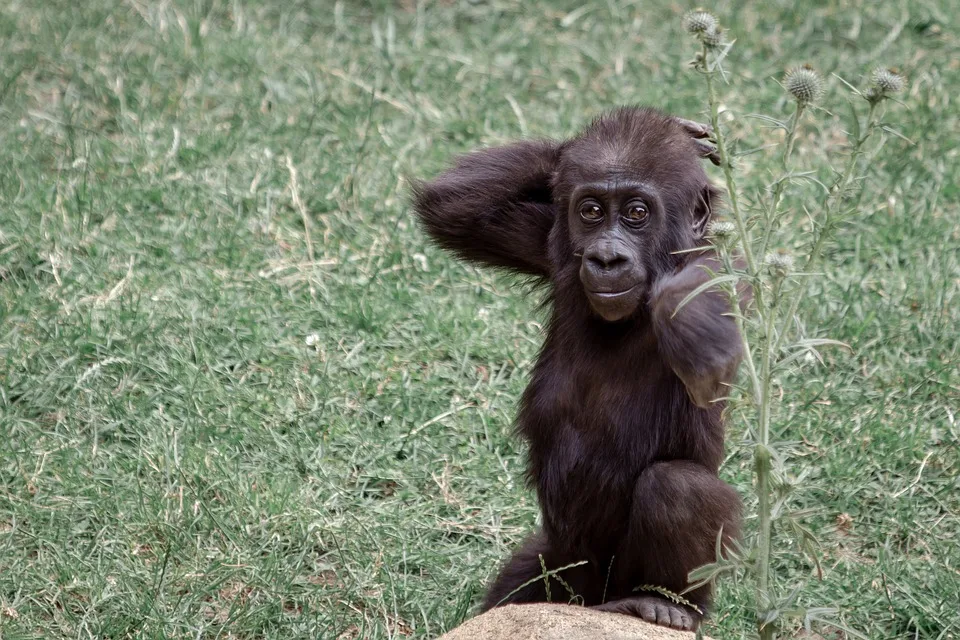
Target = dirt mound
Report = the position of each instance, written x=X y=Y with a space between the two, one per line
x=559 y=622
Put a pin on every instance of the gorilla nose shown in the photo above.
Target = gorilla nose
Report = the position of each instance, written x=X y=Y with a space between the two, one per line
x=606 y=260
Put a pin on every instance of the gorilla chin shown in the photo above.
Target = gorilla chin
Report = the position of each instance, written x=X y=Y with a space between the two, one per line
x=614 y=306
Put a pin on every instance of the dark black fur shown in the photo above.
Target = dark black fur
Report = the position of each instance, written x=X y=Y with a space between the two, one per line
x=624 y=436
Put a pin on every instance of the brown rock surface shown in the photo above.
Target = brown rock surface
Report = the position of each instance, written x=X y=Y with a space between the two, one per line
x=559 y=622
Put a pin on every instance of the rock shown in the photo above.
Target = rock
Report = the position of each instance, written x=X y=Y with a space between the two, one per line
x=559 y=622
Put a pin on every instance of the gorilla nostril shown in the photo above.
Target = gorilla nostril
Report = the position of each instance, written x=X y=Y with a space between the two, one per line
x=607 y=262
x=617 y=261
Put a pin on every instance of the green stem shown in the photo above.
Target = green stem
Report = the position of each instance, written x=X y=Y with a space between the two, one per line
x=726 y=166
x=763 y=468
x=738 y=319
x=761 y=380
x=746 y=241
x=832 y=209
x=781 y=184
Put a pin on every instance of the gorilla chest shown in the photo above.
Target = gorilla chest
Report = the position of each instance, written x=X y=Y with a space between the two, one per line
x=585 y=487
x=591 y=436
x=623 y=417
x=593 y=427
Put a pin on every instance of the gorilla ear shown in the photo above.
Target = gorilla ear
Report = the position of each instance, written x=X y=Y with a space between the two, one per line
x=706 y=201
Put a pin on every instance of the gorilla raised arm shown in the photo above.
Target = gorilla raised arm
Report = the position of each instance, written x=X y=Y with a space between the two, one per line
x=495 y=207
x=623 y=412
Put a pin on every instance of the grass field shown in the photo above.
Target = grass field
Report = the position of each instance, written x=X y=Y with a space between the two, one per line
x=242 y=396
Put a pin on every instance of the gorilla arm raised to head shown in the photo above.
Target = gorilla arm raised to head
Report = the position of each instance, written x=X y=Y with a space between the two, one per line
x=622 y=413
x=496 y=206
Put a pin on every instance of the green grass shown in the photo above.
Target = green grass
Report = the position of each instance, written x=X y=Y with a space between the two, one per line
x=177 y=461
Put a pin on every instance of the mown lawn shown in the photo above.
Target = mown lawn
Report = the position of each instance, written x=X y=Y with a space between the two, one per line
x=242 y=396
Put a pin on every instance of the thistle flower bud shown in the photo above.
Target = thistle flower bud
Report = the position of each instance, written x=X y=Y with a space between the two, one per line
x=885 y=82
x=699 y=21
x=721 y=229
x=804 y=84
x=698 y=62
x=779 y=263
x=712 y=38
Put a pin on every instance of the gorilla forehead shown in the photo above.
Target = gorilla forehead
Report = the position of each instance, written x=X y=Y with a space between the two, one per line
x=638 y=143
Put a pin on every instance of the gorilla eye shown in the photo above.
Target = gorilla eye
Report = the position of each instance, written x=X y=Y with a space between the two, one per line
x=636 y=212
x=591 y=212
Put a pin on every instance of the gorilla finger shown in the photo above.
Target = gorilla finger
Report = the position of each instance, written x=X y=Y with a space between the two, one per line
x=648 y=612
x=663 y=615
x=708 y=151
x=696 y=129
x=676 y=618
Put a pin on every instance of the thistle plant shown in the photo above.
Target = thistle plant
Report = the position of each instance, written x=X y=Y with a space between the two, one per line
x=778 y=278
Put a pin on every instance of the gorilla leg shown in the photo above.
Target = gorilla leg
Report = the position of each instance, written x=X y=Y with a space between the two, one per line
x=520 y=580
x=678 y=509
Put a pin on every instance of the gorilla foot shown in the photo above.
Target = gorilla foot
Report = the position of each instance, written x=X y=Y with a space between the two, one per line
x=655 y=610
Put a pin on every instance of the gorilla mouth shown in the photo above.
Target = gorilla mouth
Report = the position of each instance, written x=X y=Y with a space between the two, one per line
x=614 y=306
x=612 y=295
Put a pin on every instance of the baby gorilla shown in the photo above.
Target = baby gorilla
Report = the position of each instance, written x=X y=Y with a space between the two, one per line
x=621 y=414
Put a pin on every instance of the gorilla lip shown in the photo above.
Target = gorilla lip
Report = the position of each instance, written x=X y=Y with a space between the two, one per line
x=608 y=295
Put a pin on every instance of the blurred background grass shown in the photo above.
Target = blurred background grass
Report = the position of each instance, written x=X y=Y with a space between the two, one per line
x=238 y=404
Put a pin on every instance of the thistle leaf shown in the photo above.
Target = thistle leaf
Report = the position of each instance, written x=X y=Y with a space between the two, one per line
x=709 y=284
x=670 y=595
x=854 y=121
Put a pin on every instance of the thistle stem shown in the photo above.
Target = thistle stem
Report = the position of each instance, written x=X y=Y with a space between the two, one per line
x=781 y=184
x=832 y=209
x=738 y=319
x=726 y=166
x=761 y=380
x=743 y=231
x=763 y=468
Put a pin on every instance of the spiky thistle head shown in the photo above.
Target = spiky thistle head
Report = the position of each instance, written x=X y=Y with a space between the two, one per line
x=779 y=263
x=699 y=21
x=884 y=83
x=721 y=229
x=705 y=26
x=804 y=84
